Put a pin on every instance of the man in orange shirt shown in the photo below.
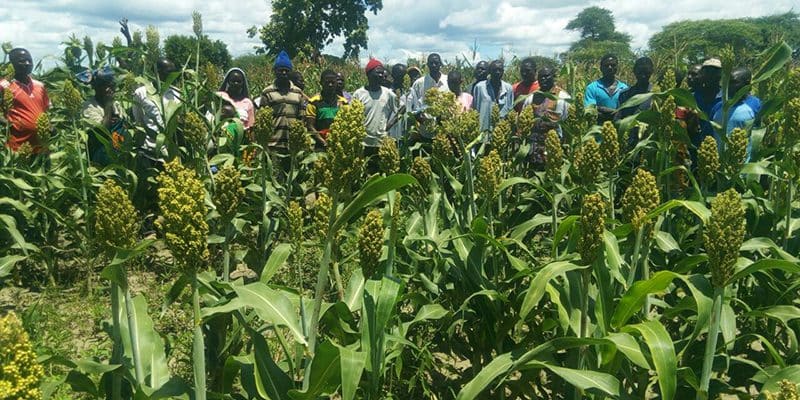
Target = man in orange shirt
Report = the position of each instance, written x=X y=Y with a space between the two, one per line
x=30 y=101
x=528 y=84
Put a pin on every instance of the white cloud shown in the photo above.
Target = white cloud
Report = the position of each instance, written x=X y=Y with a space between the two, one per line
x=402 y=29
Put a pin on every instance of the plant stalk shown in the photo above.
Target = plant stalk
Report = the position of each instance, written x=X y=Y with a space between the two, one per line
x=116 y=337
x=133 y=332
x=637 y=247
x=711 y=343
x=198 y=345
x=788 y=217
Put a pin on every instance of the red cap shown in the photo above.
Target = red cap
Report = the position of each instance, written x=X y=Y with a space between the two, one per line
x=372 y=64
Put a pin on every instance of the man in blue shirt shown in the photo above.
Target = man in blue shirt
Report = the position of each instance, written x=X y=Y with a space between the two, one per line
x=743 y=113
x=604 y=92
x=707 y=97
x=490 y=92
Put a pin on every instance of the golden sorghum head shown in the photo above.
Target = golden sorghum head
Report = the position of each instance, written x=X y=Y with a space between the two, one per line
x=295 y=214
x=197 y=23
x=442 y=105
x=525 y=121
x=211 y=75
x=181 y=199
x=490 y=174
x=501 y=135
x=116 y=222
x=466 y=125
x=44 y=129
x=708 y=164
x=727 y=56
x=641 y=197
x=788 y=392
x=737 y=151
x=609 y=148
x=345 y=151
x=8 y=101
x=588 y=161
x=593 y=212
x=71 y=99
x=791 y=123
x=25 y=151
x=322 y=210
x=513 y=117
x=554 y=155
x=299 y=139
x=264 y=126
x=666 y=110
x=370 y=243
x=322 y=172
x=228 y=191
x=421 y=171
x=667 y=80
x=20 y=373
x=389 y=156
x=442 y=149
x=723 y=235
x=495 y=114
x=195 y=131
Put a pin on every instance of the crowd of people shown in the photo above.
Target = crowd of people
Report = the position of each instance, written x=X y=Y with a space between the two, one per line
x=390 y=107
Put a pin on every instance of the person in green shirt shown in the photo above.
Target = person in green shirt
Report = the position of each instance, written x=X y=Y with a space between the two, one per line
x=323 y=107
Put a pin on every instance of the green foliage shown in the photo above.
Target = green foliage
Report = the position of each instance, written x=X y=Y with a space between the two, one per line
x=599 y=36
x=182 y=49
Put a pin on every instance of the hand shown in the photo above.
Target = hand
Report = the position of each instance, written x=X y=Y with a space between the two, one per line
x=124 y=26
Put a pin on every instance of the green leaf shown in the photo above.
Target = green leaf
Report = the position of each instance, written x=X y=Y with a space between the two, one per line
x=372 y=190
x=763 y=243
x=150 y=343
x=352 y=365
x=7 y=264
x=628 y=346
x=663 y=353
x=539 y=283
x=775 y=58
x=765 y=265
x=520 y=231
x=791 y=373
x=585 y=379
x=278 y=257
x=271 y=306
x=325 y=374
x=271 y=381
x=634 y=298
x=497 y=367
x=430 y=311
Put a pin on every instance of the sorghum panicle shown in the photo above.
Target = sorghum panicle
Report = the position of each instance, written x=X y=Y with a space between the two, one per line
x=737 y=151
x=465 y=126
x=708 y=164
x=609 y=147
x=299 y=139
x=641 y=197
x=345 y=150
x=295 y=214
x=593 y=212
x=182 y=223
x=666 y=109
x=322 y=210
x=554 y=155
x=152 y=43
x=667 y=80
x=723 y=235
x=195 y=131
x=442 y=105
x=442 y=149
x=211 y=75
x=501 y=134
x=495 y=114
x=525 y=121
x=8 y=101
x=71 y=99
x=264 y=127
x=88 y=45
x=421 y=171
x=228 y=191
x=588 y=161
x=490 y=174
x=370 y=242
x=389 y=156
x=197 y=23
x=116 y=222
x=20 y=373
x=44 y=129
x=788 y=391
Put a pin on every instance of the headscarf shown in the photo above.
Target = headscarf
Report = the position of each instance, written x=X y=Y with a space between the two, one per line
x=224 y=86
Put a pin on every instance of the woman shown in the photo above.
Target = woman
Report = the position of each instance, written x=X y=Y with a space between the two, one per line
x=234 y=89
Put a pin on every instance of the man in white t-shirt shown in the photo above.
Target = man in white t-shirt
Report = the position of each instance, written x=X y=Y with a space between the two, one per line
x=416 y=96
x=380 y=105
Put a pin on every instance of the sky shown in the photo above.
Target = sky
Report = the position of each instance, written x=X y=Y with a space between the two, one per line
x=402 y=29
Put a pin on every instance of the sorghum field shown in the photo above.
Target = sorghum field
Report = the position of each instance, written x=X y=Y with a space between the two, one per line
x=613 y=273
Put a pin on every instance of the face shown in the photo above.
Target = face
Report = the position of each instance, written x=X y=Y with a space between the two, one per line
x=434 y=64
x=22 y=62
x=235 y=82
x=413 y=75
x=376 y=76
x=454 y=84
x=643 y=72
x=739 y=80
x=693 y=76
x=496 y=71
x=527 y=72
x=481 y=71
x=609 y=67
x=329 y=84
x=282 y=74
x=710 y=77
x=546 y=79
x=398 y=72
x=165 y=67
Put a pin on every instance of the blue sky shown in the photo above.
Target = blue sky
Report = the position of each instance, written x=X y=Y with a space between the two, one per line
x=404 y=28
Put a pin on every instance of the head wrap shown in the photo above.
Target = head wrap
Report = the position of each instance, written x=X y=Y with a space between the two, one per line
x=283 y=60
x=372 y=64
x=224 y=87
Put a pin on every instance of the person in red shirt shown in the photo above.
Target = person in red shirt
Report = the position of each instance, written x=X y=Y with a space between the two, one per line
x=30 y=101
x=528 y=84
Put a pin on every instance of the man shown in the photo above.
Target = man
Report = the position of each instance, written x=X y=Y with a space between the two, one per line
x=380 y=105
x=286 y=101
x=413 y=74
x=298 y=80
x=493 y=91
x=707 y=97
x=30 y=101
x=693 y=77
x=398 y=122
x=454 y=82
x=743 y=113
x=420 y=87
x=340 y=87
x=528 y=83
x=398 y=76
x=480 y=74
x=548 y=112
x=603 y=93
x=322 y=108
x=642 y=70
x=102 y=111
x=148 y=112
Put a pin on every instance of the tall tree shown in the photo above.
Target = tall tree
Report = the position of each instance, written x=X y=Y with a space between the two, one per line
x=309 y=25
x=599 y=35
x=180 y=48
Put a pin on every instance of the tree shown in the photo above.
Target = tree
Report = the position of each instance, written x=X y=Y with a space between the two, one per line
x=307 y=26
x=693 y=41
x=598 y=36
x=180 y=48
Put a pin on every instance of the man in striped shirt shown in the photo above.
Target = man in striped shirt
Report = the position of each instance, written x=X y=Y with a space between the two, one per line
x=287 y=102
